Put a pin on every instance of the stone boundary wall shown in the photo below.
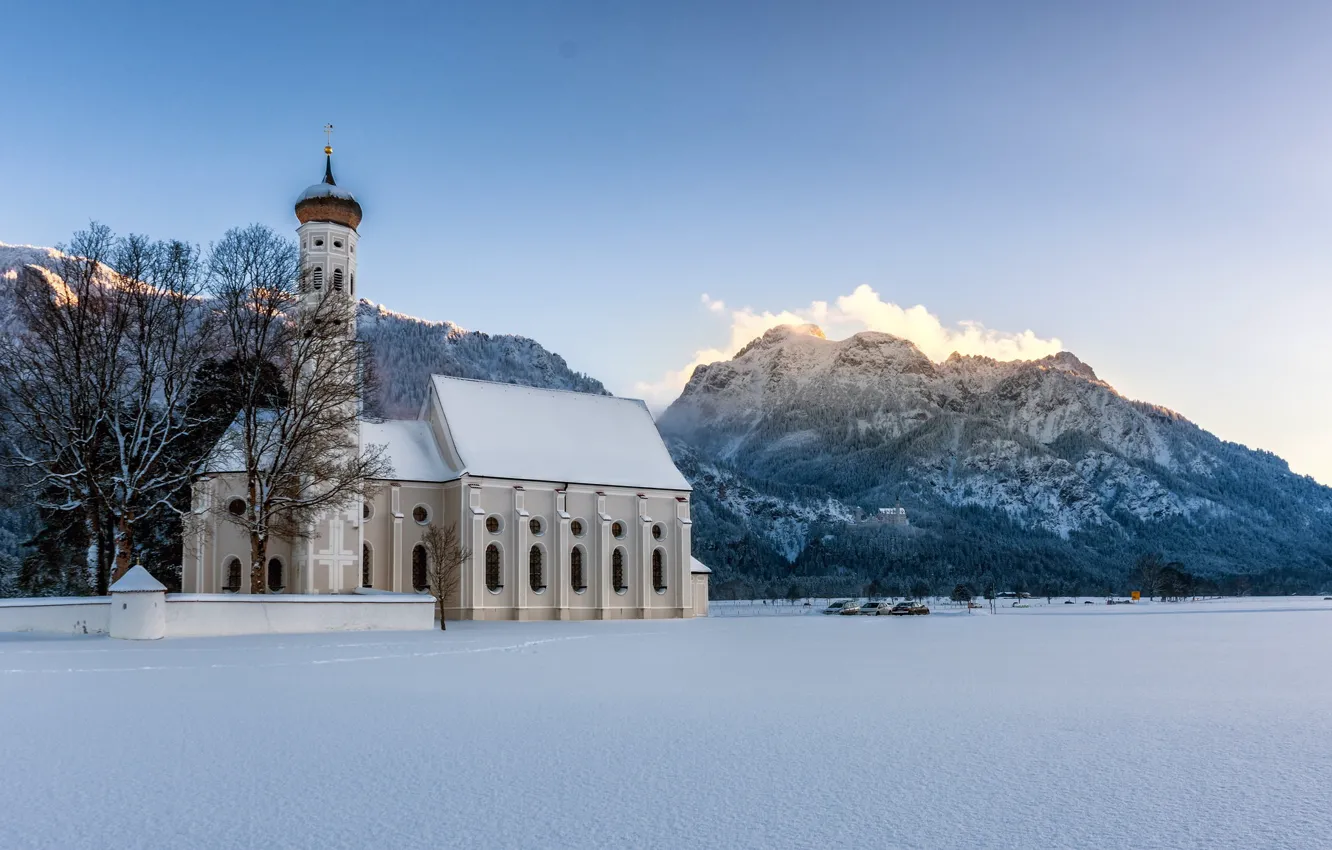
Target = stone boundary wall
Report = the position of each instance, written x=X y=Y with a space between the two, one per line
x=59 y=615
x=208 y=614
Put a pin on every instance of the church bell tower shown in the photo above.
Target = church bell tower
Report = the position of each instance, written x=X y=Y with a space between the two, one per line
x=329 y=216
x=327 y=557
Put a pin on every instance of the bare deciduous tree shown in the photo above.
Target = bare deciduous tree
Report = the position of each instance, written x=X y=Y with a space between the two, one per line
x=96 y=383
x=297 y=444
x=446 y=555
x=1149 y=573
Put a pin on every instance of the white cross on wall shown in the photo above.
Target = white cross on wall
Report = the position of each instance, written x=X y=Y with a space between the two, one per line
x=336 y=558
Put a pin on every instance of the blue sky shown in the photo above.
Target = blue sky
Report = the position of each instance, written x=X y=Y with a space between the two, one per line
x=1149 y=184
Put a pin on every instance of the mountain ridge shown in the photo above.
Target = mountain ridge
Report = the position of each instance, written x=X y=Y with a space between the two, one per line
x=1045 y=445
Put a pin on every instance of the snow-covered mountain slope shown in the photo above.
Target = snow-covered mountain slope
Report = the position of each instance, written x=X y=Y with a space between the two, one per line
x=408 y=350
x=782 y=517
x=15 y=257
x=1043 y=446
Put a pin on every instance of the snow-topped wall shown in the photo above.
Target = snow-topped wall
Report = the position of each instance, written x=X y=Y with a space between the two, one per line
x=208 y=615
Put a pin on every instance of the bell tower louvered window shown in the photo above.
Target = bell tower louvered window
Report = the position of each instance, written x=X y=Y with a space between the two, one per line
x=337 y=280
x=318 y=278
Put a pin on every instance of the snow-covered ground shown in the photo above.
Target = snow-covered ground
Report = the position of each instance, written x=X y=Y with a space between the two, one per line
x=1202 y=725
x=1057 y=605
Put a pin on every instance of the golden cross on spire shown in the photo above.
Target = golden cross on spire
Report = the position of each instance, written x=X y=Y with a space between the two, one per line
x=328 y=138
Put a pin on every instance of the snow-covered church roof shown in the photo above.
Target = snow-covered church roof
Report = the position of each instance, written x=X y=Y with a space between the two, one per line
x=508 y=431
x=498 y=430
x=408 y=443
x=410 y=447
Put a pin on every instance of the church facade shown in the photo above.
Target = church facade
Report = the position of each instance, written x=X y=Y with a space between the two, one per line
x=568 y=503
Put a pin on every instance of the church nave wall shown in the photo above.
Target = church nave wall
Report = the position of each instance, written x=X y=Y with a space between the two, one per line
x=610 y=541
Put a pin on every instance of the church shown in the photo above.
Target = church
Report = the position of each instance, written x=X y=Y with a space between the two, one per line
x=568 y=503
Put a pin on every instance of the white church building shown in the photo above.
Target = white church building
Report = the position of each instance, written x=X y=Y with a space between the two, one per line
x=569 y=503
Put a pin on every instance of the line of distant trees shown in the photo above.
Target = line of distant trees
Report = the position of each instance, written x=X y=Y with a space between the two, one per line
x=1151 y=574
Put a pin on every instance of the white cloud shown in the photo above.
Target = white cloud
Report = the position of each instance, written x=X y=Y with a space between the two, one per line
x=862 y=310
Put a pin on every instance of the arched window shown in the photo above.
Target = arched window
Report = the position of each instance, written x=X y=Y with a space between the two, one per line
x=493 y=582
x=275 y=584
x=232 y=571
x=576 y=570
x=337 y=280
x=318 y=278
x=353 y=283
x=617 y=571
x=367 y=566
x=658 y=571
x=535 y=574
x=420 y=576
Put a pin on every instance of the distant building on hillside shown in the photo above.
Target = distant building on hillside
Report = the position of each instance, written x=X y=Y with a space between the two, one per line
x=895 y=515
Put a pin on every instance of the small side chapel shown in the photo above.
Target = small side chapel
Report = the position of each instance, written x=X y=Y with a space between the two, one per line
x=568 y=502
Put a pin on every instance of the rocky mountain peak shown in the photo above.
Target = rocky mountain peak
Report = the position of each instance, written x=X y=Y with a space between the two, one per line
x=782 y=333
x=1066 y=361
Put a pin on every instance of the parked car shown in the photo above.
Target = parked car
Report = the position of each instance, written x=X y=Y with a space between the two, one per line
x=850 y=608
x=900 y=609
x=836 y=607
x=871 y=609
x=918 y=609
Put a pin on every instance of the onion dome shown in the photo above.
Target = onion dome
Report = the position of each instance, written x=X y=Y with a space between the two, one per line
x=325 y=201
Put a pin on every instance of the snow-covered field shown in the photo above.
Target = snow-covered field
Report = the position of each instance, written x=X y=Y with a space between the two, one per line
x=1203 y=725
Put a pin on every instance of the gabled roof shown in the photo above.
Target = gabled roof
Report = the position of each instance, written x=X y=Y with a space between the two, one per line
x=508 y=431
x=411 y=449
